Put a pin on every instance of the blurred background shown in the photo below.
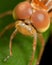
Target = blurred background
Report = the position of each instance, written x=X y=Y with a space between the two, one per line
x=47 y=54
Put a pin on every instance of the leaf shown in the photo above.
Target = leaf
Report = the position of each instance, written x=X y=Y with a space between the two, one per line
x=22 y=45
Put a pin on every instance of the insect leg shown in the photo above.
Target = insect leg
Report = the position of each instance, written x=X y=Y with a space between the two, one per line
x=5 y=13
x=42 y=48
x=28 y=0
x=10 y=43
x=6 y=28
x=34 y=49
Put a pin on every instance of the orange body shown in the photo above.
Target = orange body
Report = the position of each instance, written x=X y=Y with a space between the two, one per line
x=40 y=3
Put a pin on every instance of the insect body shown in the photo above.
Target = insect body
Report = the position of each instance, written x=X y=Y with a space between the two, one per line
x=32 y=20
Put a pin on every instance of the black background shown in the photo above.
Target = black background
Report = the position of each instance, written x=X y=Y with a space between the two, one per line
x=47 y=54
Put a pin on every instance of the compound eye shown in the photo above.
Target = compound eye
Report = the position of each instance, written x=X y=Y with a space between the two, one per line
x=23 y=10
x=40 y=20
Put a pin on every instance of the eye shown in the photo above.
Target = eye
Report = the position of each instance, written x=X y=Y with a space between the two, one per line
x=40 y=19
x=23 y=10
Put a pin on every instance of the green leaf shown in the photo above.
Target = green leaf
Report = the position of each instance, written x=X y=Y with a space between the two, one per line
x=22 y=45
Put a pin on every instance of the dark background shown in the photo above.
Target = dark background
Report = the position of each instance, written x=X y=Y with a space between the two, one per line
x=47 y=55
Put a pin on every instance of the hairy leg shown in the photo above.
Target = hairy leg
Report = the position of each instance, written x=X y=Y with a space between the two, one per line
x=10 y=45
x=6 y=13
x=11 y=38
x=34 y=48
x=6 y=28
x=42 y=48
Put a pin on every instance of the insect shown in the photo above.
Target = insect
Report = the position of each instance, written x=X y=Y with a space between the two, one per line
x=32 y=19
